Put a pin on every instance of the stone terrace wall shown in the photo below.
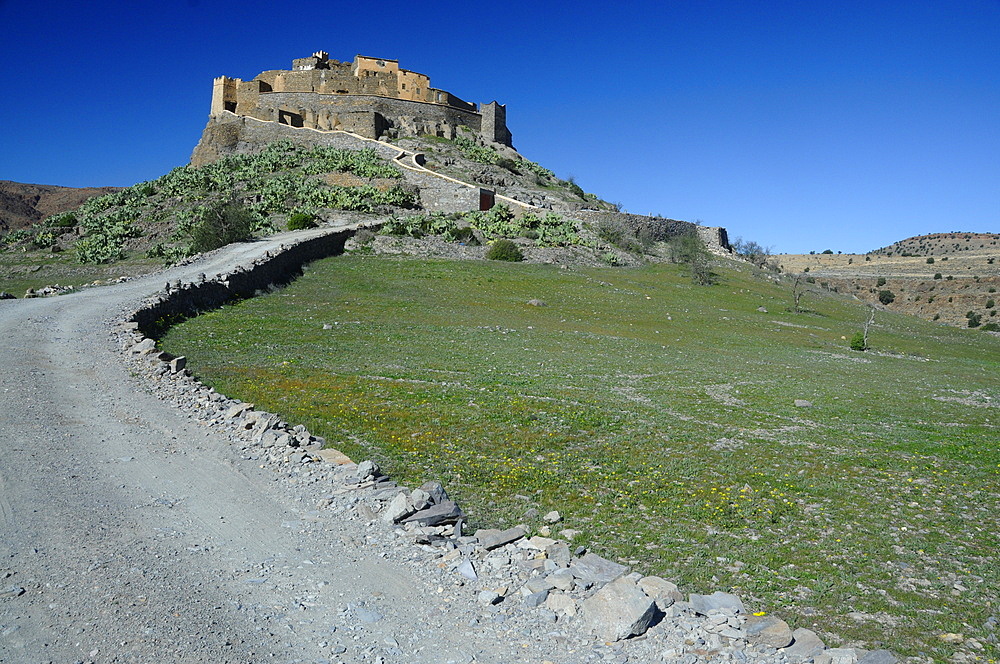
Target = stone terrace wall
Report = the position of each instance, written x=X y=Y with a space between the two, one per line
x=715 y=238
x=660 y=228
x=182 y=300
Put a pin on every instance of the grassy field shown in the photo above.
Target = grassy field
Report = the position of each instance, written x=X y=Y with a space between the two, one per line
x=20 y=271
x=658 y=417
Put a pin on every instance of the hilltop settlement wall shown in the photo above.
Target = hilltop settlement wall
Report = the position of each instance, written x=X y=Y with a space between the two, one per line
x=371 y=97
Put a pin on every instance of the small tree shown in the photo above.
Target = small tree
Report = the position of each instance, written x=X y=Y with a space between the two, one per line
x=223 y=224
x=754 y=252
x=859 y=341
x=886 y=296
x=798 y=290
x=689 y=250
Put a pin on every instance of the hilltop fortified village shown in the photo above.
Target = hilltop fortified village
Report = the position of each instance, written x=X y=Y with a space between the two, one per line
x=371 y=97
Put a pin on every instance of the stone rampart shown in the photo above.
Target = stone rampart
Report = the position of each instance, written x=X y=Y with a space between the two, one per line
x=659 y=229
x=715 y=238
x=372 y=97
x=393 y=117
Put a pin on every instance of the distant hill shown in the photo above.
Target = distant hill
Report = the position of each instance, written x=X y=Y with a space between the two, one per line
x=943 y=244
x=22 y=205
x=943 y=277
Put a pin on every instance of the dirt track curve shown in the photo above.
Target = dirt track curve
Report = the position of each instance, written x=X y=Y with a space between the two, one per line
x=139 y=536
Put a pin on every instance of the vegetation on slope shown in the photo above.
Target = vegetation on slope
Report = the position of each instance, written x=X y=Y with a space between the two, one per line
x=658 y=417
x=169 y=217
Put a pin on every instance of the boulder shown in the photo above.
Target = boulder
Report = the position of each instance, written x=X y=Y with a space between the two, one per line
x=436 y=491
x=560 y=604
x=717 y=601
x=491 y=539
x=619 y=610
x=446 y=512
x=398 y=509
x=878 y=657
x=663 y=592
x=802 y=403
x=768 y=631
x=592 y=569
x=805 y=645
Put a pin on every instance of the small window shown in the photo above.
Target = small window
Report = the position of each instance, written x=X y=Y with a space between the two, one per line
x=404 y=86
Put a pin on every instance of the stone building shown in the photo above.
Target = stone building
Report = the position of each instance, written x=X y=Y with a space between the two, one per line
x=371 y=97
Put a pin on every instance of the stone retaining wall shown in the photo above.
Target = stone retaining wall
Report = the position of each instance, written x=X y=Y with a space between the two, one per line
x=181 y=300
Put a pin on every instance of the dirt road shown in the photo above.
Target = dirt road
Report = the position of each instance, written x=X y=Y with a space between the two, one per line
x=130 y=534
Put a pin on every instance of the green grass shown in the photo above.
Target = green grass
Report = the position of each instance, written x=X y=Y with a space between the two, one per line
x=20 y=271
x=658 y=418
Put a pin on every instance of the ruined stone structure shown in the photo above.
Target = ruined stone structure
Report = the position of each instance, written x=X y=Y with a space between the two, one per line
x=371 y=97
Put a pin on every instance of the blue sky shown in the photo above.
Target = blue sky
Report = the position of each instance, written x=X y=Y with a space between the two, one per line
x=801 y=125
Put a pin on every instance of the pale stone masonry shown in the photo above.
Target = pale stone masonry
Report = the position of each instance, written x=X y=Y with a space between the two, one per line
x=372 y=97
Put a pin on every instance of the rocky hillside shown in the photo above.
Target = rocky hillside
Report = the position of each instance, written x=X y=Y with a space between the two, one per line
x=22 y=205
x=952 y=278
x=943 y=244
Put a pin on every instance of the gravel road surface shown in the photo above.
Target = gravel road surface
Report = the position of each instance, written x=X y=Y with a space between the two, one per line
x=128 y=533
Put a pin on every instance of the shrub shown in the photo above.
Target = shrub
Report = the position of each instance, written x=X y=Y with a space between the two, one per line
x=64 y=220
x=937 y=275
x=504 y=250
x=612 y=259
x=930 y=260
x=858 y=341
x=226 y=223
x=622 y=236
x=974 y=319
x=990 y=327
x=936 y=317
x=301 y=220
x=886 y=296
x=881 y=282
x=828 y=251
x=990 y=304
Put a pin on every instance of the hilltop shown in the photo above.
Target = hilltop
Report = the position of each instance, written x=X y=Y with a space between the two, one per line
x=941 y=277
x=944 y=244
x=327 y=141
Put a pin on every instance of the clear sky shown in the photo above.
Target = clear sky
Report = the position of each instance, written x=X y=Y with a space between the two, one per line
x=803 y=125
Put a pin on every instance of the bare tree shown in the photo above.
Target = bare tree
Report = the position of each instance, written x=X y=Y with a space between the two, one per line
x=798 y=290
x=869 y=323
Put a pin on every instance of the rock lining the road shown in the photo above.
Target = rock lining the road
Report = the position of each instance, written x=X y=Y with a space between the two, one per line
x=508 y=574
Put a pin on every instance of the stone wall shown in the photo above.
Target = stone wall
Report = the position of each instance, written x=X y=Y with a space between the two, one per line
x=393 y=117
x=281 y=267
x=660 y=229
x=715 y=238
x=371 y=97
